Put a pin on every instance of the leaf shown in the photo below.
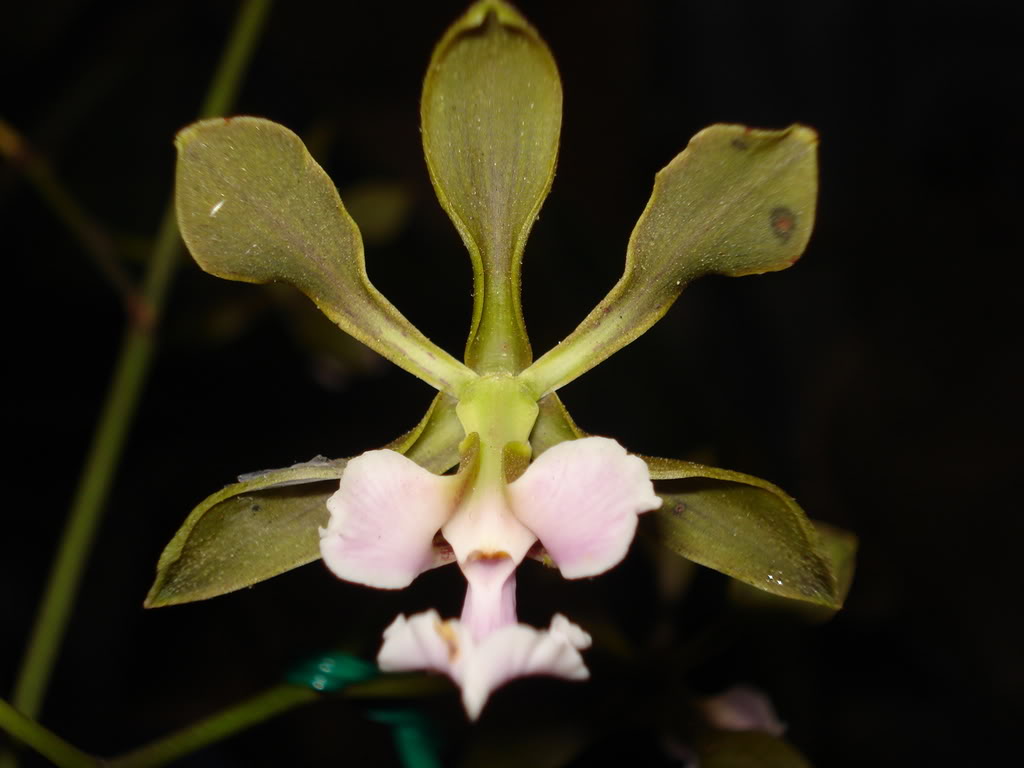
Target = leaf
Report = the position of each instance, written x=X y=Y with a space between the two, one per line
x=736 y=201
x=745 y=749
x=268 y=523
x=491 y=113
x=744 y=527
x=254 y=206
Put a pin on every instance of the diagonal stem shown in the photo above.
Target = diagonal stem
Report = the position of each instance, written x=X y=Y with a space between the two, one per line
x=122 y=400
x=43 y=741
x=263 y=706
x=91 y=236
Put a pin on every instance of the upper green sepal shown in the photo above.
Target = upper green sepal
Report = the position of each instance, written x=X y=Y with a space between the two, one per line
x=491 y=113
x=747 y=528
x=254 y=206
x=736 y=201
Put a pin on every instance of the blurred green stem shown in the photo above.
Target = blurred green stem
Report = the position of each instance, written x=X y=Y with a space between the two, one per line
x=122 y=400
x=250 y=712
x=415 y=747
x=230 y=721
x=91 y=236
x=46 y=743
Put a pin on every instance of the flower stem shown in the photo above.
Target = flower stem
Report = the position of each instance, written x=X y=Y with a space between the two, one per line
x=261 y=707
x=43 y=741
x=122 y=401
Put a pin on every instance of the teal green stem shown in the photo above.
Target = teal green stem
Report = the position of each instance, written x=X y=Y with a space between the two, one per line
x=122 y=401
x=226 y=723
x=43 y=741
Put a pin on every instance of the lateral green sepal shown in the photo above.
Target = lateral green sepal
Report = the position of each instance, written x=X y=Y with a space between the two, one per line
x=246 y=533
x=267 y=523
x=737 y=201
x=744 y=527
x=254 y=206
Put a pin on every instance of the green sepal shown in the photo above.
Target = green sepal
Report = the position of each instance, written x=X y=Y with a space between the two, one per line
x=246 y=533
x=736 y=201
x=840 y=547
x=435 y=440
x=554 y=425
x=745 y=749
x=491 y=113
x=254 y=206
x=268 y=522
x=744 y=527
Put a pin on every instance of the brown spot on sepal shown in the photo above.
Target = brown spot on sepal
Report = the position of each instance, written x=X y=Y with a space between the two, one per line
x=783 y=222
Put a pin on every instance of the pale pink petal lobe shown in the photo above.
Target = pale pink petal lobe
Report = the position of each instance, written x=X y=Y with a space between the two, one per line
x=383 y=519
x=490 y=594
x=581 y=498
x=422 y=641
x=518 y=650
x=742 y=708
x=485 y=526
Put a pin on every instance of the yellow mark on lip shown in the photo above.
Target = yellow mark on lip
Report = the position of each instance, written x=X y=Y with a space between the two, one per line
x=489 y=555
x=450 y=638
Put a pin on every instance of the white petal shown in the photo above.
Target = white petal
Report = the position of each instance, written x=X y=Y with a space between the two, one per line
x=490 y=595
x=518 y=650
x=581 y=498
x=489 y=542
x=423 y=641
x=484 y=526
x=383 y=520
x=742 y=708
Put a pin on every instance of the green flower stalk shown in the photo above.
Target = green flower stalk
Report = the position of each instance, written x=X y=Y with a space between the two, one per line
x=254 y=206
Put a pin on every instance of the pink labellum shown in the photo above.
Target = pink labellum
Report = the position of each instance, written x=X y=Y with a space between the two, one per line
x=423 y=641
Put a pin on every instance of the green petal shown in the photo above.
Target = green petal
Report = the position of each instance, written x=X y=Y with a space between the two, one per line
x=268 y=523
x=744 y=527
x=735 y=202
x=491 y=113
x=254 y=206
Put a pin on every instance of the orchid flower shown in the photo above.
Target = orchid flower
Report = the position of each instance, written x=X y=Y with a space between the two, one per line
x=254 y=206
x=580 y=498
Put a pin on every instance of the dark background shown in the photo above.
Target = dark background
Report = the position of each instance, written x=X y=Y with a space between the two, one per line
x=876 y=380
